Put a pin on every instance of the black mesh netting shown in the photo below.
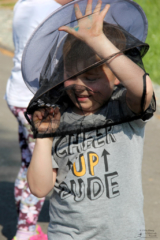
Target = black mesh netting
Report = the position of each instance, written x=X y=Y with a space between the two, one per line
x=68 y=58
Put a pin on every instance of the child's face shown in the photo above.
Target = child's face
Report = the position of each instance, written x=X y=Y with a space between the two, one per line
x=96 y=87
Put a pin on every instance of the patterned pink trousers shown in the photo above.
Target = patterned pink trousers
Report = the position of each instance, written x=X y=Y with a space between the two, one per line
x=28 y=206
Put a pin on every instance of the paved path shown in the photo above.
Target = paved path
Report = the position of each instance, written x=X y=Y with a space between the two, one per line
x=6 y=16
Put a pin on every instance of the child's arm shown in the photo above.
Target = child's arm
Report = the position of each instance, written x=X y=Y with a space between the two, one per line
x=41 y=176
x=90 y=31
x=63 y=2
x=131 y=76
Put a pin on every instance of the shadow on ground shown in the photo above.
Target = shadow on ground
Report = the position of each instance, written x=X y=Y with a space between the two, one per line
x=8 y=214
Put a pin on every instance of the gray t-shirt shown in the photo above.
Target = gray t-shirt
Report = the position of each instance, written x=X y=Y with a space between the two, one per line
x=98 y=191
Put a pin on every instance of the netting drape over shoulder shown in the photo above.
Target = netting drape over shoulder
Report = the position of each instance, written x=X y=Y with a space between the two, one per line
x=51 y=53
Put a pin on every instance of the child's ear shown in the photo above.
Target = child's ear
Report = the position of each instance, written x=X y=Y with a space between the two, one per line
x=116 y=82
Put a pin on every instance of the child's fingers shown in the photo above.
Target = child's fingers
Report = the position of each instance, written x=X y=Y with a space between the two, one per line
x=42 y=110
x=70 y=30
x=104 y=11
x=38 y=115
x=56 y=110
x=57 y=114
x=78 y=16
x=47 y=119
x=77 y=11
x=98 y=7
x=88 y=7
x=67 y=29
x=51 y=110
x=42 y=113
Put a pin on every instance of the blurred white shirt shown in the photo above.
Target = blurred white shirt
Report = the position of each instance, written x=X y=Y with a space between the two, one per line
x=28 y=14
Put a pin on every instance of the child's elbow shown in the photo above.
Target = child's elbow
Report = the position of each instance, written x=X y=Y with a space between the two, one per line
x=35 y=189
x=149 y=92
x=36 y=192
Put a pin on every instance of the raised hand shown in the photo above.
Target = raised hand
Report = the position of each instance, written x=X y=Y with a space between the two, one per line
x=46 y=120
x=90 y=25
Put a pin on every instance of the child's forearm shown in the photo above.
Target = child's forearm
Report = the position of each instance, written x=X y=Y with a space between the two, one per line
x=41 y=176
x=127 y=72
x=63 y=2
x=131 y=76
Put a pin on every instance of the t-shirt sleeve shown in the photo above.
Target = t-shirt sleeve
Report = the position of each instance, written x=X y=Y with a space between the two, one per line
x=120 y=112
x=146 y=115
x=54 y=164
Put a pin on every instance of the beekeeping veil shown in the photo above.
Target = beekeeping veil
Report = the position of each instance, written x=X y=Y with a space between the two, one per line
x=49 y=50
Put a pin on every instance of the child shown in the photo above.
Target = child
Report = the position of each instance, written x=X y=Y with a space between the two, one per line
x=96 y=172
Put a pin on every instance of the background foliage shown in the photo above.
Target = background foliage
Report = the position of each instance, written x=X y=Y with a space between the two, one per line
x=152 y=59
x=7 y=3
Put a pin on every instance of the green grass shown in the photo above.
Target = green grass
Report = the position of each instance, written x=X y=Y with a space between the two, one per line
x=152 y=58
x=7 y=5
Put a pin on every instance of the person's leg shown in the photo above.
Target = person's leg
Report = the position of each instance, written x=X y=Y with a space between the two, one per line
x=28 y=206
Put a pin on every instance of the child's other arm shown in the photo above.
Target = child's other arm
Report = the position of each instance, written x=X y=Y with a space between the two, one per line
x=41 y=176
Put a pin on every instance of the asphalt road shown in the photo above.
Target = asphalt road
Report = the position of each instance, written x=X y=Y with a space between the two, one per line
x=10 y=162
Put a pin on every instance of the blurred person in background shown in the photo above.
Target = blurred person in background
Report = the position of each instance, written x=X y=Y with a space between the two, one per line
x=28 y=14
